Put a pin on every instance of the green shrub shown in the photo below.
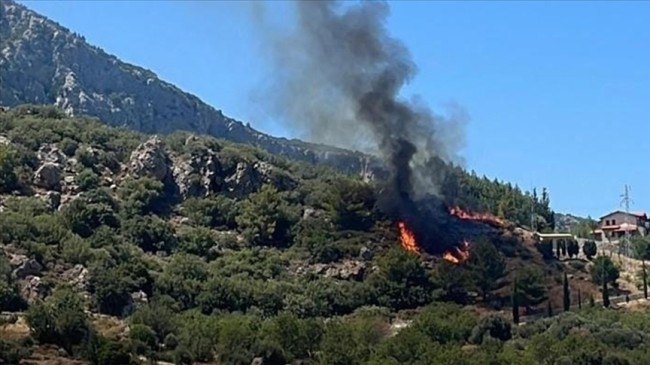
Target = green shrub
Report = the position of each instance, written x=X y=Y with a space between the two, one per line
x=143 y=338
x=8 y=162
x=87 y=180
x=196 y=241
x=493 y=326
x=12 y=352
x=60 y=320
x=150 y=233
x=218 y=211
x=76 y=250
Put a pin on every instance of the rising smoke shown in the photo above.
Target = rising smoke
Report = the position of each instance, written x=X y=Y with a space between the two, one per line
x=335 y=78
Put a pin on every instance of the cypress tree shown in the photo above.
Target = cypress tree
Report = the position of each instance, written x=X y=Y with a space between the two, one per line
x=605 y=291
x=579 y=300
x=515 y=303
x=567 y=294
x=592 y=302
x=549 y=309
x=645 y=282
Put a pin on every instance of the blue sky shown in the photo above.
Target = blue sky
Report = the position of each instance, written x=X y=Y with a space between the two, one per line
x=558 y=92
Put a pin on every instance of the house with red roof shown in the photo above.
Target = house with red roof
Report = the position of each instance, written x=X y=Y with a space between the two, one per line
x=613 y=226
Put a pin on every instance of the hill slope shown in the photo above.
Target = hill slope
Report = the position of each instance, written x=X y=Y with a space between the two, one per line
x=175 y=237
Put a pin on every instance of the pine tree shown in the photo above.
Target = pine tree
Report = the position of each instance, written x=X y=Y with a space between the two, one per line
x=549 y=309
x=515 y=303
x=567 y=294
x=645 y=282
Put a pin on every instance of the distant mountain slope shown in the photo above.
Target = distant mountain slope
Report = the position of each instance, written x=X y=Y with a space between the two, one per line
x=574 y=224
x=42 y=62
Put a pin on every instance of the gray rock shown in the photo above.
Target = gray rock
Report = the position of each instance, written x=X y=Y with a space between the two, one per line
x=52 y=199
x=150 y=159
x=16 y=260
x=33 y=289
x=27 y=268
x=51 y=153
x=365 y=253
x=243 y=181
x=140 y=297
x=48 y=176
x=274 y=176
x=312 y=213
x=5 y=141
x=258 y=361
x=78 y=277
x=347 y=270
x=198 y=174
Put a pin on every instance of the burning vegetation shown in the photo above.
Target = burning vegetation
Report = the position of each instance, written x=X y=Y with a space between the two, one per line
x=457 y=222
x=481 y=217
x=456 y=255
x=407 y=238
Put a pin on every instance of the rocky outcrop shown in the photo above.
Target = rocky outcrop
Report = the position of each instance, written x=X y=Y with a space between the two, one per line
x=51 y=153
x=345 y=270
x=78 y=277
x=44 y=63
x=248 y=178
x=272 y=175
x=33 y=289
x=52 y=200
x=28 y=268
x=243 y=181
x=150 y=159
x=199 y=173
x=312 y=213
x=48 y=176
x=139 y=297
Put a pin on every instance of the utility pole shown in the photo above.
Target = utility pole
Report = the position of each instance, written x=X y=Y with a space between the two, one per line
x=626 y=203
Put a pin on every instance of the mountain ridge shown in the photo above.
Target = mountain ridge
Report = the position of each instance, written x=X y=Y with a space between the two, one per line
x=44 y=62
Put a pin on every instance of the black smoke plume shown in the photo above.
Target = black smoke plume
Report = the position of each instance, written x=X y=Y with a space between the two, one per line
x=336 y=76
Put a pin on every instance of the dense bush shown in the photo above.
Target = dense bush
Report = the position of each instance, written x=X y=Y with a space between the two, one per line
x=604 y=270
x=402 y=282
x=60 y=320
x=8 y=163
x=10 y=299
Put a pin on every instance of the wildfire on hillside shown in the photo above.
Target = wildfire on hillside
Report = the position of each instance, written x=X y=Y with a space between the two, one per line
x=456 y=255
x=407 y=238
x=481 y=217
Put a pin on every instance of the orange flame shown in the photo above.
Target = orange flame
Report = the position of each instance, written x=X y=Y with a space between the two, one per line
x=481 y=217
x=406 y=237
x=459 y=254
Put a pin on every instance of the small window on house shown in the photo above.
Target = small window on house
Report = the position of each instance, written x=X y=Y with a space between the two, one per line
x=613 y=222
x=607 y=223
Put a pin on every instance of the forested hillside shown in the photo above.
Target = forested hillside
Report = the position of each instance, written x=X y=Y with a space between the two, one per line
x=180 y=227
